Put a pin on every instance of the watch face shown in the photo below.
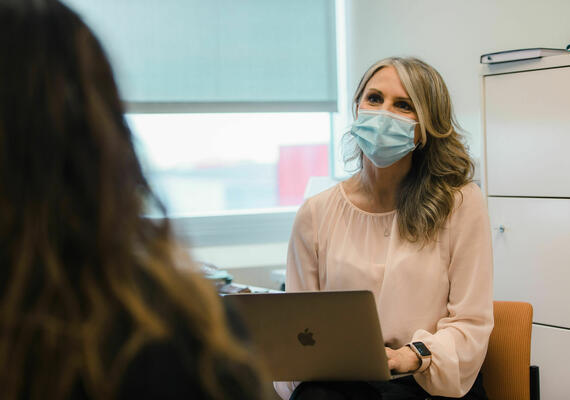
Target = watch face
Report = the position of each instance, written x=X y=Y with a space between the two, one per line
x=422 y=349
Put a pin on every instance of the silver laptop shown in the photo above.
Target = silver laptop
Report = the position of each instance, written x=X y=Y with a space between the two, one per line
x=312 y=336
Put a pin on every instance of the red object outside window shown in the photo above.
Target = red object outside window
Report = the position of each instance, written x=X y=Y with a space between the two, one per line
x=295 y=166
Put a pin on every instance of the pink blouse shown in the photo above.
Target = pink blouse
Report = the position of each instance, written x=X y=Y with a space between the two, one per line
x=441 y=294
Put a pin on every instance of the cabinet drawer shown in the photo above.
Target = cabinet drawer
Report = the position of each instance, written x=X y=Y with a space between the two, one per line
x=527 y=130
x=531 y=251
x=551 y=352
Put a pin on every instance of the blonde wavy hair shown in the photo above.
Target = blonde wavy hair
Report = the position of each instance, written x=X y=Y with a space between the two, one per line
x=86 y=282
x=440 y=165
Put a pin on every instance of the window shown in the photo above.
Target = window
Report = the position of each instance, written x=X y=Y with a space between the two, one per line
x=202 y=164
x=231 y=103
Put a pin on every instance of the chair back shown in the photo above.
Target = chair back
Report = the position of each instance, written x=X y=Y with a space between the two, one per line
x=506 y=369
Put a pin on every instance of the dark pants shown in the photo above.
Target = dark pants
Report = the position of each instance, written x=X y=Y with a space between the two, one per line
x=404 y=388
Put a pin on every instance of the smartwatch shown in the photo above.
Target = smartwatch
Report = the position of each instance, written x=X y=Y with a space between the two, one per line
x=423 y=354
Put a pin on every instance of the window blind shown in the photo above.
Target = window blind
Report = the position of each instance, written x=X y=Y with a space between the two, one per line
x=219 y=55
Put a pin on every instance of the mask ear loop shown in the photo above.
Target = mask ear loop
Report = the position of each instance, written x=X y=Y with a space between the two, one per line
x=423 y=133
x=420 y=142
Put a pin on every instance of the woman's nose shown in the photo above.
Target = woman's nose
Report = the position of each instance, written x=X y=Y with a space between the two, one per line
x=386 y=106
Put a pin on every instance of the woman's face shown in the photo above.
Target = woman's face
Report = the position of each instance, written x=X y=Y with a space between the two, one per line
x=384 y=91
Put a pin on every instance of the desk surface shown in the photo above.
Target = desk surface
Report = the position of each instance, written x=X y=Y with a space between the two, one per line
x=232 y=288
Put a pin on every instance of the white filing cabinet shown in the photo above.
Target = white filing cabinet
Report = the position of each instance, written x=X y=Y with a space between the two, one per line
x=526 y=125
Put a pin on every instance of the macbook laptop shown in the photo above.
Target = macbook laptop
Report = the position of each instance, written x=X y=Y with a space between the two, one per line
x=312 y=336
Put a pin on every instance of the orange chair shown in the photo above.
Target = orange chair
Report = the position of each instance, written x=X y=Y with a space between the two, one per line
x=507 y=373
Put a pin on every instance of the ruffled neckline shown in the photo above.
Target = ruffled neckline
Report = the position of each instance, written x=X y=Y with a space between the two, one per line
x=354 y=207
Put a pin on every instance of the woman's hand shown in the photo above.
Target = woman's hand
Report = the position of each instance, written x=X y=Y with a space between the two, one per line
x=402 y=360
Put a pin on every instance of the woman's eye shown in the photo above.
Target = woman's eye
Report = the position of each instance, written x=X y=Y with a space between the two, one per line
x=404 y=106
x=374 y=98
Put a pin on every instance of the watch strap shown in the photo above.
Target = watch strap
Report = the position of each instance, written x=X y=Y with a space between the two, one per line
x=425 y=359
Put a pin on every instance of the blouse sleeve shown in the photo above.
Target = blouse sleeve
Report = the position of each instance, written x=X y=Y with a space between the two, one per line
x=302 y=262
x=459 y=344
x=302 y=269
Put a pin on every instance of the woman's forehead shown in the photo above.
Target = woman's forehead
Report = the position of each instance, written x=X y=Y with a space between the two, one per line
x=386 y=79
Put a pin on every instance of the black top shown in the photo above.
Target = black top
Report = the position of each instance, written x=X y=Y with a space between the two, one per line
x=169 y=370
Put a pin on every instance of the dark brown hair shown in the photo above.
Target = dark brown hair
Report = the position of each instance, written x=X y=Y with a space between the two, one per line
x=85 y=280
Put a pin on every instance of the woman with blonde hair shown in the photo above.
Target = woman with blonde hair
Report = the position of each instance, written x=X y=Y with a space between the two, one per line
x=411 y=227
x=92 y=305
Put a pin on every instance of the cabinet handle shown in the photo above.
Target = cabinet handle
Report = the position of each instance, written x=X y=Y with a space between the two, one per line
x=500 y=229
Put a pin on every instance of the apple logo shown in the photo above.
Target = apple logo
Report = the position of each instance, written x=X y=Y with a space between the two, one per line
x=306 y=338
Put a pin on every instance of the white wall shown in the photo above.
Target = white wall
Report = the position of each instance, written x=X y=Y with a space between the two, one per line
x=451 y=35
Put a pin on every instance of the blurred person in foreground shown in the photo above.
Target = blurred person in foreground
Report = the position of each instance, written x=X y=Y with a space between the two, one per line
x=92 y=305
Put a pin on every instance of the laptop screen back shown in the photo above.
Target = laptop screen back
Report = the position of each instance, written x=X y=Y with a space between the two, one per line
x=315 y=335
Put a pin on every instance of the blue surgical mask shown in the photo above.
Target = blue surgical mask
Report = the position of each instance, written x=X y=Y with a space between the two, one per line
x=384 y=137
